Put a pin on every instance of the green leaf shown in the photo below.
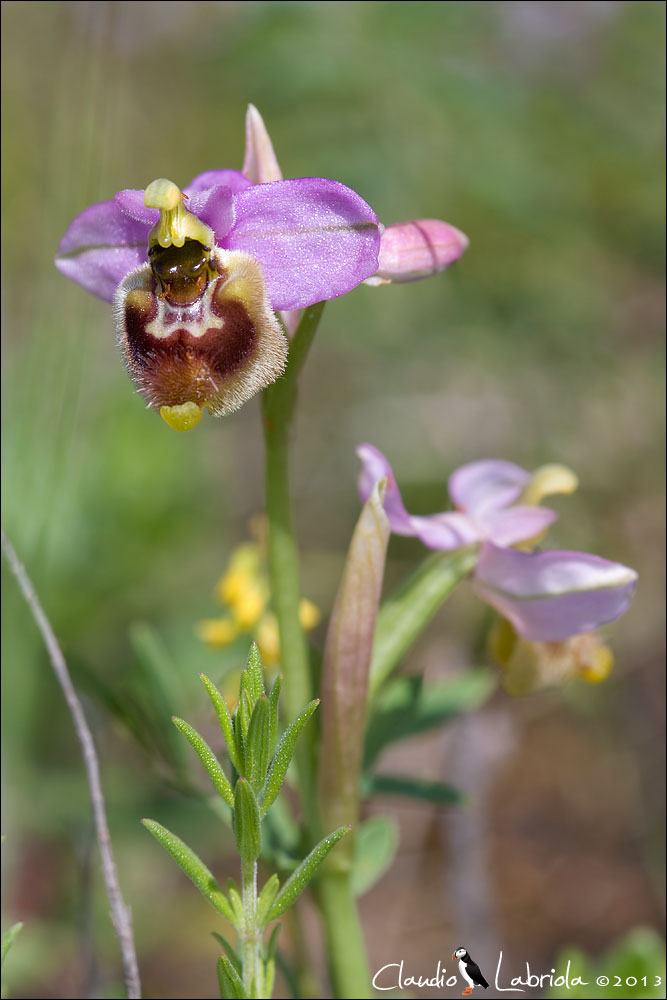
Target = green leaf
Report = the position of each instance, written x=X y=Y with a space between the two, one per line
x=273 y=711
x=224 y=718
x=375 y=845
x=246 y=821
x=252 y=678
x=266 y=898
x=283 y=756
x=270 y=963
x=270 y=977
x=273 y=942
x=409 y=609
x=407 y=707
x=641 y=953
x=242 y=721
x=193 y=867
x=229 y=981
x=8 y=939
x=235 y=901
x=231 y=954
x=208 y=759
x=281 y=836
x=416 y=788
x=300 y=878
x=257 y=745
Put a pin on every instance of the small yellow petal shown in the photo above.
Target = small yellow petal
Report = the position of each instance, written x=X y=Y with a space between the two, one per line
x=242 y=571
x=547 y=481
x=248 y=606
x=268 y=640
x=182 y=417
x=598 y=665
x=217 y=631
x=309 y=614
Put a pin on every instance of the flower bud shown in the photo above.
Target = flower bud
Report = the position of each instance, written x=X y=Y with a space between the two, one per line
x=413 y=250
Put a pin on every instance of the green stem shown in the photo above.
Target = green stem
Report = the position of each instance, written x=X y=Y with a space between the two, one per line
x=345 y=940
x=251 y=959
x=278 y=409
x=347 y=956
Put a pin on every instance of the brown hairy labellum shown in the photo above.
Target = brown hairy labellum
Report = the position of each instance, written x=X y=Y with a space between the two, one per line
x=196 y=329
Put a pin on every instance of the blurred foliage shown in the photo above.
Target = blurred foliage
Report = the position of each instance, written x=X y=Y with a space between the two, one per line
x=537 y=128
x=637 y=957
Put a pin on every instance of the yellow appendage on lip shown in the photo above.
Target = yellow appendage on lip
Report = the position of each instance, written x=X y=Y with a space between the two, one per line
x=176 y=224
x=182 y=417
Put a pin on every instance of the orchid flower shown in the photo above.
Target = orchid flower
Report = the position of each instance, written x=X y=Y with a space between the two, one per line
x=484 y=494
x=196 y=288
x=546 y=596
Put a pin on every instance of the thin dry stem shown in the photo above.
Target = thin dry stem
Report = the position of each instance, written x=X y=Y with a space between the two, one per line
x=120 y=913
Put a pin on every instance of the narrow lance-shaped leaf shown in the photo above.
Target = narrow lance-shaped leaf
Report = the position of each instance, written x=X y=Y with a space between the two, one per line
x=257 y=745
x=266 y=898
x=271 y=963
x=416 y=788
x=375 y=845
x=273 y=711
x=252 y=677
x=302 y=875
x=246 y=821
x=283 y=755
x=270 y=977
x=224 y=718
x=158 y=674
x=407 y=706
x=241 y=723
x=227 y=948
x=8 y=939
x=409 y=609
x=193 y=867
x=346 y=664
x=208 y=759
x=229 y=981
x=272 y=946
x=235 y=901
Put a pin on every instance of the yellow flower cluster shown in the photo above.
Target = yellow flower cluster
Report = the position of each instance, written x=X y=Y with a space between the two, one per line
x=243 y=591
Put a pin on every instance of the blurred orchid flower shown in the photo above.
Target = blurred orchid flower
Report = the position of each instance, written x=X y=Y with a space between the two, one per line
x=547 y=596
x=484 y=493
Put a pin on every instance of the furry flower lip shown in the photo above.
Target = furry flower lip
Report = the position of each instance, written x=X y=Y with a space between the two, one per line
x=547 y=596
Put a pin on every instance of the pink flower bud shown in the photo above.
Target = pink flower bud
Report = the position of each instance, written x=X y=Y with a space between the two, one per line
x=413 y=250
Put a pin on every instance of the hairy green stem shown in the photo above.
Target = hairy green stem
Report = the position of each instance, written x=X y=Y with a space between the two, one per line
x=278 y=409
x=347 y=957
x=251 y=960
x=346 y=951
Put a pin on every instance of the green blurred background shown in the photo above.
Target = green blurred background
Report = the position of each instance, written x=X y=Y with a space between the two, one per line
x=537 y=128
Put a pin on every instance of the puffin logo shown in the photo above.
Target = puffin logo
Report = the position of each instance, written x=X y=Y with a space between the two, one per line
x=470 y=971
